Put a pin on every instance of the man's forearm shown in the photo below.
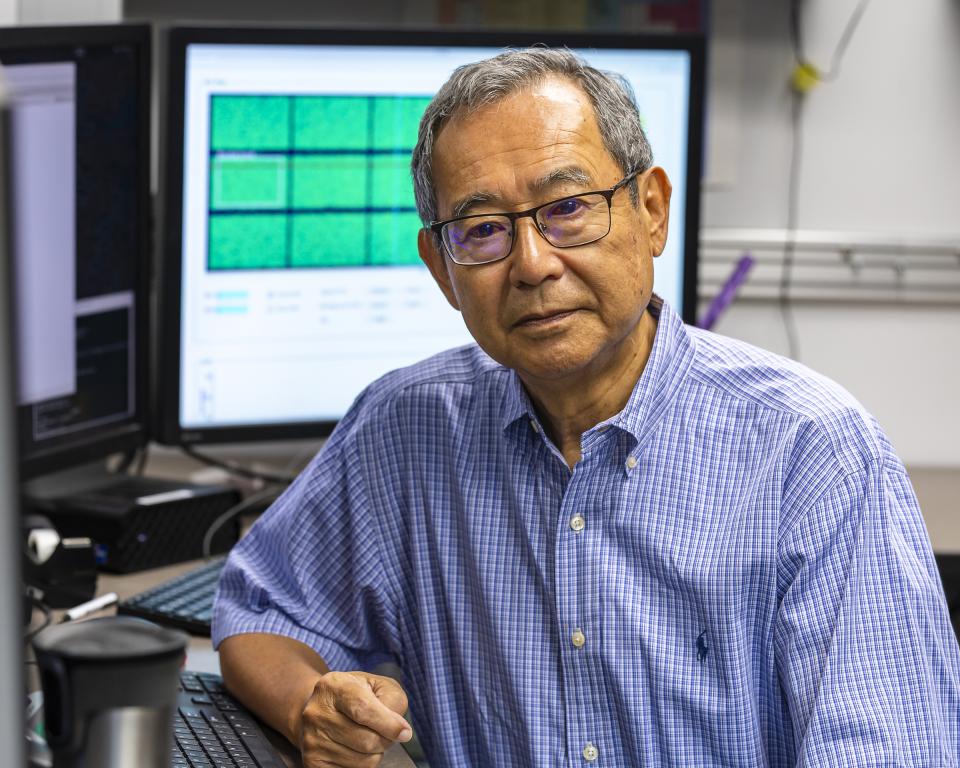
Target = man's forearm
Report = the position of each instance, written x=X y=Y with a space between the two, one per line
x=273 y=676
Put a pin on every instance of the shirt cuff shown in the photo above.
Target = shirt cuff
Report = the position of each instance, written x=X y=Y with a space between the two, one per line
x=231 y=620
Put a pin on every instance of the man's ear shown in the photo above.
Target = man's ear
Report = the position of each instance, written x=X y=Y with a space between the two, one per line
x=432 y=255
x=655 y=194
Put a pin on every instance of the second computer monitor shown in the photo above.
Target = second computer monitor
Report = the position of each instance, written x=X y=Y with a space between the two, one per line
x=79 y=133
x=291 y=278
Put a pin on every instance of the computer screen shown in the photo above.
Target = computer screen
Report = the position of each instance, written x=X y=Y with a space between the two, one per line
x=79 y=130
x=291 y=278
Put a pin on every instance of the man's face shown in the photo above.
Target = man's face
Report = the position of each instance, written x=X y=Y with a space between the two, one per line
x=550 y=313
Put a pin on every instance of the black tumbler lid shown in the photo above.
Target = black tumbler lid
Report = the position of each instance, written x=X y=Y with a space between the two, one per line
x=111 y=638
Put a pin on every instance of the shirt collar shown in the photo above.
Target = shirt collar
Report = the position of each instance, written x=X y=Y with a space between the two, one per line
x=669 y=360
x=659 y=384
x=517 y=403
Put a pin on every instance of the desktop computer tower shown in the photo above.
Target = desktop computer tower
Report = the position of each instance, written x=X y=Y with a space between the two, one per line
x=139 y=523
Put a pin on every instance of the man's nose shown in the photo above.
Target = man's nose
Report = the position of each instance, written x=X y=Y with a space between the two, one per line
x=533 y=259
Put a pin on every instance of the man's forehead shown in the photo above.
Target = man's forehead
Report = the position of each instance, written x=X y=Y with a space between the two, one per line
x=551 y=88
x=534 y=138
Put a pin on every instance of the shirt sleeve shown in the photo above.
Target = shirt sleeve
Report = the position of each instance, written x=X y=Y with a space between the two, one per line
x=867 y=657
x=312 y=567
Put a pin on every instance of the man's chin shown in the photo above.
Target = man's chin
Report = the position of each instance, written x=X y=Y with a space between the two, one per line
x=553 y=365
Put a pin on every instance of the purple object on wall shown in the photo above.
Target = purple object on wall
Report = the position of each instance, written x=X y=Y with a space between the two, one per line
x=727 y=293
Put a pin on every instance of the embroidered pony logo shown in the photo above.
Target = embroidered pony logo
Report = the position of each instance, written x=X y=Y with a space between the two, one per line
x=702 y=647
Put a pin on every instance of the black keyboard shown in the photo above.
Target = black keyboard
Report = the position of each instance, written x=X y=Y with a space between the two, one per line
x=211 y=729
x=185 y=602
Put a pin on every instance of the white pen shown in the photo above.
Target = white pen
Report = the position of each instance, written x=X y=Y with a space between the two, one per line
x=98 y=603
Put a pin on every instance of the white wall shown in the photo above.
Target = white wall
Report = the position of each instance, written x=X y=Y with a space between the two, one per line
x=65 y=11
x=8 y=11
x=881 y=155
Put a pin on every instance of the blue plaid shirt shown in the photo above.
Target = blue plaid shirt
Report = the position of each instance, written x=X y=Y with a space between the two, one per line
x=736 y=573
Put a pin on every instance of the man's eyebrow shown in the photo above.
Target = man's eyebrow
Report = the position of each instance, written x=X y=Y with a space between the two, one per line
x=571 y=174
x=464 y=204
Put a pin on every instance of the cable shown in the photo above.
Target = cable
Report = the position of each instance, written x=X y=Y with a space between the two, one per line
x=47 y=618
x=845 y=38
x=805 y=77
x=237 y=469
x=125 y=463
x=231 y=513
x=142 y=460
x=250 y=501
x=796 y=32
x=796 y=40
x=789 y=246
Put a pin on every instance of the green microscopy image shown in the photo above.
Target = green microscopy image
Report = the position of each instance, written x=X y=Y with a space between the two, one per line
x=391 y=185
x=335 y=168
x=394 y=238
x=328 y=240
x=248 y=181
x=249 y=123
x=329 y=181
x=331 y=122
x=248 y=241
x=395 y=121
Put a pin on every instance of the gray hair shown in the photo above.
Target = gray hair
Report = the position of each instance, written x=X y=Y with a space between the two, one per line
x=485 y=82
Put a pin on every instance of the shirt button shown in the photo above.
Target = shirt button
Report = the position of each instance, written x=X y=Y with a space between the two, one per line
x=578 y=523
x=590 y=753
x=534 y=426
x=578 y=639
x=631 y=462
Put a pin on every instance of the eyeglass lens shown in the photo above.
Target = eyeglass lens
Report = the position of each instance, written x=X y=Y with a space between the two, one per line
x=563 y=223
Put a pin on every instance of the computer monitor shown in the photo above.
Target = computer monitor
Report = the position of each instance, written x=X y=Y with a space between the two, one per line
x=80 y=100
x=290 y=275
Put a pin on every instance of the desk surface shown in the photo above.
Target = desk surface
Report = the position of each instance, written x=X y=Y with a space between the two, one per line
x=200 y=654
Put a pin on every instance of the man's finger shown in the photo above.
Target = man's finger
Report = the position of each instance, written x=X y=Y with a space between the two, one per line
x=389 y=692
x=325 y=748
x=359 y=702
x=340 y=729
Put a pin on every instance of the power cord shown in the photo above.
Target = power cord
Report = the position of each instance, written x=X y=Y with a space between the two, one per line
x=47 y=619
x=271 y=492
x=237 y=469
x=789 y=246
x=251 y=500
x=806 y=76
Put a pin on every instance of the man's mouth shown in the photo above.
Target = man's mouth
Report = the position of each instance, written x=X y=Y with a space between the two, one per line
x=534 y=319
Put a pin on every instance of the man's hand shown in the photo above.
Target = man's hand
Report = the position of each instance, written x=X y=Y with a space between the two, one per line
x=351 y=719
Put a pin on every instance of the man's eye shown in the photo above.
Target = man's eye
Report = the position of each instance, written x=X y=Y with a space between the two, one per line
x=484 y=230
x=569 y=207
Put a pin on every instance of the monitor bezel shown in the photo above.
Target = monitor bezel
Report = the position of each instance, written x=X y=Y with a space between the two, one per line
x=167 y=428
x=132 y=435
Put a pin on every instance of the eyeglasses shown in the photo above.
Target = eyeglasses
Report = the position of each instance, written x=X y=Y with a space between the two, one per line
x=565 y=223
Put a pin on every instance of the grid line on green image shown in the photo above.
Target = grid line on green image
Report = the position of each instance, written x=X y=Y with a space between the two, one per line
x=301 y=157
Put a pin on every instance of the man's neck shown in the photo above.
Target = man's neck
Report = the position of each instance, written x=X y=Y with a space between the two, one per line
x=568 y=408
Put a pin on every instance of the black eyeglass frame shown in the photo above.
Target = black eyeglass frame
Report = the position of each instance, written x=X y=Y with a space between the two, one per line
x=437 y=226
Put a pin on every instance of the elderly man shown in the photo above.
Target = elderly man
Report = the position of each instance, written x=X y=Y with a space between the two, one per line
x=598 y=536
